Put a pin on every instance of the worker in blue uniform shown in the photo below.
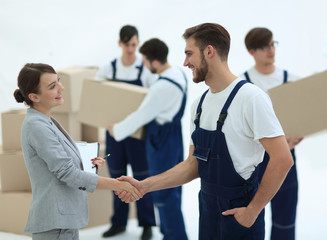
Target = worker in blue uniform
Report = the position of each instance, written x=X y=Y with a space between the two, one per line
x=161 y=112
x=129 y=69
x=229 y=135
x=266 y=75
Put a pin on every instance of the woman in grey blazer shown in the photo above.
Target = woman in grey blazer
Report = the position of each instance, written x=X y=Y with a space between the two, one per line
x=59 y=184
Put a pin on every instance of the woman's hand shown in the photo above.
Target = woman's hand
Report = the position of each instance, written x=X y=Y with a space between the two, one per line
x=98 y=161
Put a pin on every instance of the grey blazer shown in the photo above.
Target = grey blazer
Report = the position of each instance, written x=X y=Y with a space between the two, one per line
x=58 y=181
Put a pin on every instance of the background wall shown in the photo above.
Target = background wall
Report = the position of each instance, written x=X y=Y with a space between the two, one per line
x=85 y=32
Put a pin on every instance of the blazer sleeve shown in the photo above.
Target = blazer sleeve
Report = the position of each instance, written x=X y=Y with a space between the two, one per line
x=50 y=147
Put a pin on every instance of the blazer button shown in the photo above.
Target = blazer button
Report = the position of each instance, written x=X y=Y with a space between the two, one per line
x=80 y=188
x=84 y=188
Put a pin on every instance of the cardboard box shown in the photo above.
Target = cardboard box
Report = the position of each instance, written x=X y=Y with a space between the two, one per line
x=70 y=123
x=104 y=102
x=301 y=105
x=93 y=134
x=100 y=203
x=12 y=121
x=13 y=172
x=72 y=80
x=14 y=209
x=100 y=207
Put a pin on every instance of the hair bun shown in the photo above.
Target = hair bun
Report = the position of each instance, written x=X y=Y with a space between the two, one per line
x=19 y=96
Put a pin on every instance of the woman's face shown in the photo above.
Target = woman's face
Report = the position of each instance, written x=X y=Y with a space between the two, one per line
x=50 y=94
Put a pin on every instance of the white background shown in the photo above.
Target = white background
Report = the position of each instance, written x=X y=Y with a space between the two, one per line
x=63 y=33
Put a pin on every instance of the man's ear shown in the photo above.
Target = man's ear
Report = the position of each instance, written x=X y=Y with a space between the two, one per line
x=34 y=97
x=251 y=52
x=155 y=63
x=210 y=51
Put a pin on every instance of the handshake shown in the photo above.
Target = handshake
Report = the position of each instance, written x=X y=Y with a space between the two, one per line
x=130 y=189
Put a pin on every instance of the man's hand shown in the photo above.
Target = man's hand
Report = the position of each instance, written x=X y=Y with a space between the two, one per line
x=130 y=192
x=110 y=128
x=292 y=142
x=124 y=196
x=242 y=216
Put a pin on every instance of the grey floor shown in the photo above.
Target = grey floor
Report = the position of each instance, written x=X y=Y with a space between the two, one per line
x=312 y=207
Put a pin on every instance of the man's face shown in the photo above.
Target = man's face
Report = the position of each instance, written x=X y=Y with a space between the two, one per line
x=130 y=47
x=195 y=60
x=264 y=55
x=148 y=64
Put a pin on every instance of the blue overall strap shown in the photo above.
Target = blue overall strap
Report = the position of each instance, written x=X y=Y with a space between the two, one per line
x=199 y=110
x=185 y=78
x=172 y=81
x=181 y=110
x=140 y=71
x=223 y=113
x=180 y=113
x=285 y=77
x=246 y=74
x=114 y=68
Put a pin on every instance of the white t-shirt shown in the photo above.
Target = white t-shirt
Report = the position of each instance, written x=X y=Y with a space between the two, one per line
x=127 y=73
x=250 y=118
x=161 y=103
x=268 y=81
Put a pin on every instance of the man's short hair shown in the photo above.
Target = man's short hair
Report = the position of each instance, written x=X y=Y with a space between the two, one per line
x=257 y=38
x=127 y=32
x=210 y=34
x=155 y=49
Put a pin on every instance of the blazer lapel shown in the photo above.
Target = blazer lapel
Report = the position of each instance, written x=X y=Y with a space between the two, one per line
x=68 y=140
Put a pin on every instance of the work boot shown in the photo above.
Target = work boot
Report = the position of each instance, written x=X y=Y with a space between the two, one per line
x=113 y=231
x=147 y=233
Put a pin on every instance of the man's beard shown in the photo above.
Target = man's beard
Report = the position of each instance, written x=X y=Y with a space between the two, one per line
x=201 y=73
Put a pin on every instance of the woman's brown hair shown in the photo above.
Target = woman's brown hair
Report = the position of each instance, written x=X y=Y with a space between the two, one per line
x=28 y=81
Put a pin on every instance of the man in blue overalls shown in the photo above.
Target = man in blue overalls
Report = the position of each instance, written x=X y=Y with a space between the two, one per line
x=229 y=137
x=129 y=69
x=161 y=112
x=261 y=45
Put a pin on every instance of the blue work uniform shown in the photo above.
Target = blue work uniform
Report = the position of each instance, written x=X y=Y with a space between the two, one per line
x=222 y=188
x=129 y=151
x=283 y=205
x=164 y=147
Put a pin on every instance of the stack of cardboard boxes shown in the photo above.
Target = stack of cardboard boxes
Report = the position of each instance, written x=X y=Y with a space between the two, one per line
x=72 y=79
x=15 y=195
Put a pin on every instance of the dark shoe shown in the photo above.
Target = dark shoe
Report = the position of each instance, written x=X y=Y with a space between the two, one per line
x=147 y=233
x=113 y=231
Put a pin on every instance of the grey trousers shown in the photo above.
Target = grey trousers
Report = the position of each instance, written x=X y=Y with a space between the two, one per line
x=57 y=234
